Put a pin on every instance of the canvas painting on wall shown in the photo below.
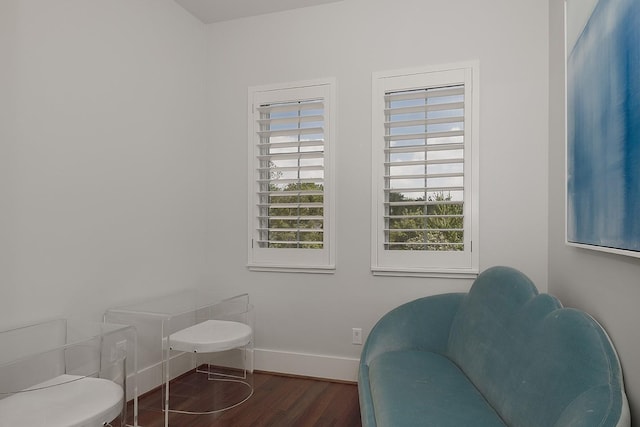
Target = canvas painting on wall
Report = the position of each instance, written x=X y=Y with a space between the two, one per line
x=603 y=124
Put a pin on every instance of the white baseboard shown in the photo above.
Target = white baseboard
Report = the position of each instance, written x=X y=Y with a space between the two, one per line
x=309 y=365
x=282 y=362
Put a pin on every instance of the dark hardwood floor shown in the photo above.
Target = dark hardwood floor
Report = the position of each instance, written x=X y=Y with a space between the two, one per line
x=278 y=401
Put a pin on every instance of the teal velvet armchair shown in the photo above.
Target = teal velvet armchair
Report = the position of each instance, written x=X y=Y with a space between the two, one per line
x=500 y=355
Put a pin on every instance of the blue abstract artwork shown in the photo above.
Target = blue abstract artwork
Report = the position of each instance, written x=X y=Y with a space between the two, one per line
x=603 y=129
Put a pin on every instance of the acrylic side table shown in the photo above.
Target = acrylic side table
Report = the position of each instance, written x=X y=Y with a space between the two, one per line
x=194 y=330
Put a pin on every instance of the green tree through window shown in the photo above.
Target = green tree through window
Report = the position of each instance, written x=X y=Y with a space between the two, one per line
x=296 y=216
x=436 y=224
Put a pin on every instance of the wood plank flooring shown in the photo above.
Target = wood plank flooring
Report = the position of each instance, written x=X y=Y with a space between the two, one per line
x=278 y=401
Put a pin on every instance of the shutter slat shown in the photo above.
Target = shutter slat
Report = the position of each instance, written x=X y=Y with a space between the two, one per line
x=423 y=216
x=291 y=181
x=290 y=193
x=286 y=230
x=423 y=122
x=285 y=156
x=288 y=218
x=423 y=148
x=424 y=203
x=426 y=176
x=293 y=121
x=290 y=132
x=424 y=108
x=424 y=94
x=291 y=106
x=424 y=162
x=425 y=135
x=305 y=205
x=424 y=244
x=292 y=144
x=299 y=244
x=426 y=230
x=291 y=168
x=441 y=189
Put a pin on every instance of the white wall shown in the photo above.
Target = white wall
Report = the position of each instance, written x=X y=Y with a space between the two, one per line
x=108 y=178
x=604 y=285
x=314 y=314
x=102 y=148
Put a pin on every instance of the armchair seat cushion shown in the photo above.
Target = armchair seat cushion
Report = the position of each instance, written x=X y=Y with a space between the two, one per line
x=418 y=388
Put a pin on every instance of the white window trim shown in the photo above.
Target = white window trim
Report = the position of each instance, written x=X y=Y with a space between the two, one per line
x=408 y=263
x=295 y=260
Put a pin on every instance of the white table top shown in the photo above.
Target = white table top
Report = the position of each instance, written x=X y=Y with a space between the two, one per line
x=177 y=303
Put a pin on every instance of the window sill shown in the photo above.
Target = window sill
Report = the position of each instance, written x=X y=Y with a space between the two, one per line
x=441 y=273
x=329 y=269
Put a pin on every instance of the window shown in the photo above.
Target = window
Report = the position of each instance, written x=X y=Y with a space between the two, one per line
x=425 y=205
x=291 y=177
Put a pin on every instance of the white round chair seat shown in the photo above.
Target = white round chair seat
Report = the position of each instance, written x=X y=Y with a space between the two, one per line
x=64 y=401
x=211 y=336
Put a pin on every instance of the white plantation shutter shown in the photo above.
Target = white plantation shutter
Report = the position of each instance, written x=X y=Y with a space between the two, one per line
x=424 y=206
x=291 y=174
x=290 y=203
x=424 y=169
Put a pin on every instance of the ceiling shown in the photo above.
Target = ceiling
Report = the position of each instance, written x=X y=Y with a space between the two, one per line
x=209 y=11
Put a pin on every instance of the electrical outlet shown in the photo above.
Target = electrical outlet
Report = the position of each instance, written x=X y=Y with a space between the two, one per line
x=356 y=336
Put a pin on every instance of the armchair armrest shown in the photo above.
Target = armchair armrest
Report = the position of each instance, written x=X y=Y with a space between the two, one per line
x=422 y=324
